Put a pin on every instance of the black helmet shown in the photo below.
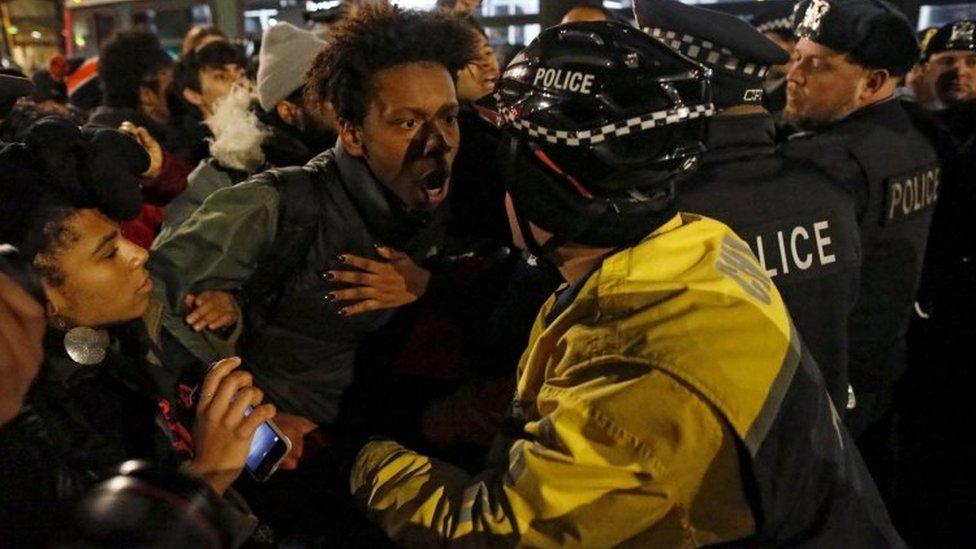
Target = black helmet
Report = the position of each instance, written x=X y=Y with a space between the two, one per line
x=601 y=118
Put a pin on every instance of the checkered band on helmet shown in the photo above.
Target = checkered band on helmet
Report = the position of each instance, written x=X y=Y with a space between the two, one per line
x=614 y=129
x=781 y=24
x=706 y=52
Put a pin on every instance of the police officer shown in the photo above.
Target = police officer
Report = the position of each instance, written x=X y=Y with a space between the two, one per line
x=950 y=63
x=933 y=402
x=663 y=399
x=948 y=295
x=800 y=225
x=841 y=87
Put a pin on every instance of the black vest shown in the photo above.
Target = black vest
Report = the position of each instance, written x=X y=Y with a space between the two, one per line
x=302 y=354
x=894 y=174
x=798 y=223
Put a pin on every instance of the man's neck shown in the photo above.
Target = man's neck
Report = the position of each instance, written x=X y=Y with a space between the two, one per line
x=575 y=262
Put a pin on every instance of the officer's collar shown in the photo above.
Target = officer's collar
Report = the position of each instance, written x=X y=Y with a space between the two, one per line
x=731 y=137
x=880 y=110
x=380 y=209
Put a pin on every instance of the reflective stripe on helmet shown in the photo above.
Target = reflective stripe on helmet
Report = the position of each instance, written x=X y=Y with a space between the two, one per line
x=613 y=129
x=705 y=51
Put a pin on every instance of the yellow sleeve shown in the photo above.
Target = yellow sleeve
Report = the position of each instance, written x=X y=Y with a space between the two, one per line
x=667 y=474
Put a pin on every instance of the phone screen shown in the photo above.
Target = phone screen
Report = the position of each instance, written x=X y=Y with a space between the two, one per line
x=268 y=447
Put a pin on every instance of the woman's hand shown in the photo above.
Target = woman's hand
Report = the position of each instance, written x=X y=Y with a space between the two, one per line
x=211 y=310
x=222 y=434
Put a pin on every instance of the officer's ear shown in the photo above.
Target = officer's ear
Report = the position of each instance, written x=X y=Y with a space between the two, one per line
x=352 y=138
x=877 y=82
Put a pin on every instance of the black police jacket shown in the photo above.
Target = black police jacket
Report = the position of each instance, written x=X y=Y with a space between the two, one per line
x=893 y=173
x=947 y=295
x=801 y=226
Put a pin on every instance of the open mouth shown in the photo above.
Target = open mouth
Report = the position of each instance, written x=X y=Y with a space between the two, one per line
x=436 y=184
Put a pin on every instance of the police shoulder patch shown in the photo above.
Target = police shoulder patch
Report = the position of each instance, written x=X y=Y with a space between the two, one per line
x=910 y=194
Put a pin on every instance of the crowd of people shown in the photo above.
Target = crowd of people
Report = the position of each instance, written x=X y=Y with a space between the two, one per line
x=675 y=280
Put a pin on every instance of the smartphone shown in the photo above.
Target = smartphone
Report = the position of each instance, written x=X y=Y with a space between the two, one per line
x=268 y=449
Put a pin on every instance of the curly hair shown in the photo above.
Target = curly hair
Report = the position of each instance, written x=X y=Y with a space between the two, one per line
x=126 y=62
x=382 y=37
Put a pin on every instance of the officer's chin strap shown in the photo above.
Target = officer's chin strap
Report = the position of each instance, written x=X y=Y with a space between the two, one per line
x=596 y=209
x=544 y=252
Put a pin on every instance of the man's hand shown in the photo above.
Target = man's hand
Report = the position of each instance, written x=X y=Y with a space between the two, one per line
x=150 y=145
x=222 y=433
x=295 y=428
x=211 y=310
x=21 y=350
x=378 y=285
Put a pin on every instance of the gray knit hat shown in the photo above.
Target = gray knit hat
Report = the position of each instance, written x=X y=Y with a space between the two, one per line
x=286 y=53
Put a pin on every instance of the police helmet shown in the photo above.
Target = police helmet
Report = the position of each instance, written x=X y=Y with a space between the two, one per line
x=600 y=120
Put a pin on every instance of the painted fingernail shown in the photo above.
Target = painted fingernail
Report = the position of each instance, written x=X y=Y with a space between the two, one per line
x=328 y=276
x=330 y=297
x=341 y=258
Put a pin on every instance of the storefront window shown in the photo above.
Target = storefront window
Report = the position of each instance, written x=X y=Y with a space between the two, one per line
x=501 y=8
x=936 y=16
x=512 y=34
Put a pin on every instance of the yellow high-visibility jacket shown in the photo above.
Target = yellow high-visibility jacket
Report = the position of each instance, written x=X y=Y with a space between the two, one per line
x=637 y=400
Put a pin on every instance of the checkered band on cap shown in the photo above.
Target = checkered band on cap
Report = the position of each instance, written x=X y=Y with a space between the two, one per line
x=783 y=23
x=706 y=52
x=614 y=129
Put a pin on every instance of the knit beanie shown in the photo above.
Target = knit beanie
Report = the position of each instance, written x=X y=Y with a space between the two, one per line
x=286 y=54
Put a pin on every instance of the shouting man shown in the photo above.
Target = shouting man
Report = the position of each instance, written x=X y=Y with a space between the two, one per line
x=320 y=254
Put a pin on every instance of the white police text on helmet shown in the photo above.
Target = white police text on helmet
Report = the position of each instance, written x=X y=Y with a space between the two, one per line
x=563 y=80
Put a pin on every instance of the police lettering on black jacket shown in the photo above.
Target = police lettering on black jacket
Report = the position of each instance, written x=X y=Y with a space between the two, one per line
x=894 y=175
x=799 y=224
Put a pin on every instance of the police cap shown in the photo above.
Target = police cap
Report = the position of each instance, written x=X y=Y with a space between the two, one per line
x=873 y=33
x=778 y=18
x=957 y=35
x=738 y=55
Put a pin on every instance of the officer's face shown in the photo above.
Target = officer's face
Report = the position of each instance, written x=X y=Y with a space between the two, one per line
x=952 y=74
x=823 y=87
x=410 y=135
